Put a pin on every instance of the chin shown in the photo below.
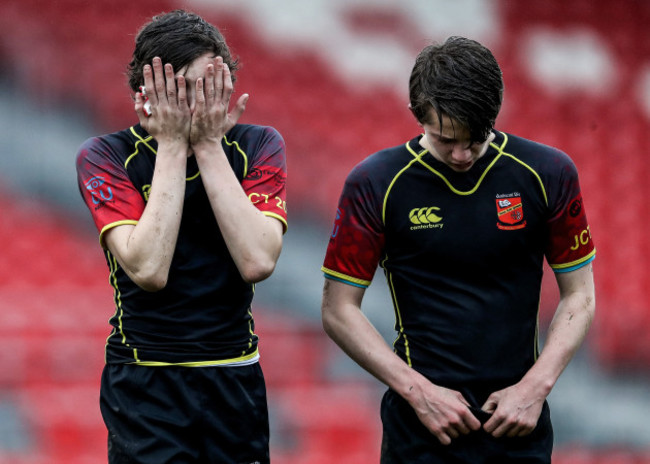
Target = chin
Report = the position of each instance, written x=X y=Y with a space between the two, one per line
x=461 y=168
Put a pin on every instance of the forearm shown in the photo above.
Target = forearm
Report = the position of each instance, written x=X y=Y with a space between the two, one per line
x=145 y=251
x=253 y=239
x=445 y=413
x=349 y=328
x=569 y=326
x=565 y=335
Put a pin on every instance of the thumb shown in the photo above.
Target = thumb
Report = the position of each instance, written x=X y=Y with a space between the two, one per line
x=490 y=405
x=239 y=108
x=139 y=108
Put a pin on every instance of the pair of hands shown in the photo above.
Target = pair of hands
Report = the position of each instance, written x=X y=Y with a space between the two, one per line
x=514 y=412
x=191 y=114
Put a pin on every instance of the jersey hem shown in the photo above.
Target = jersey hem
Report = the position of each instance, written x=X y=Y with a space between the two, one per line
x=285 y=226
x=346 y=279
x=107 y=227
x=251 y=358
x=574 y=265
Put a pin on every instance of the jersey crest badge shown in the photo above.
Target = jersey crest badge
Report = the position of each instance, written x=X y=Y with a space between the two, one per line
x=510 y=212
x=99 y=193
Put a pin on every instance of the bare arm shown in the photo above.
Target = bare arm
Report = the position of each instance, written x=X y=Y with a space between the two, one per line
x=516 y=409
x=145 y=250
x=444 y=412
x=253 y=239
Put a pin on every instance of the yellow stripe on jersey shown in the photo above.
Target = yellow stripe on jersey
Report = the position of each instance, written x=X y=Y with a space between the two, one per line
x=577 y=262
x=117 y=297
x=218 y=362
x=107 y=227
x=418 y=157
x=278 y=217
x=398 y=316
x=241 y=152
x=155 y=152
x=444 y=179
x=137 y=150
x=345 y=278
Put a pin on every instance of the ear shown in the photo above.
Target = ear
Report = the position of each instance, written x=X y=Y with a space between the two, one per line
x=413 y=113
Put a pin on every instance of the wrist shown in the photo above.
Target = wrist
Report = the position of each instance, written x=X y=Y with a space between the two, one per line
x=173 y=147
x=412 y=385
x=207 y=147
x=539 y=382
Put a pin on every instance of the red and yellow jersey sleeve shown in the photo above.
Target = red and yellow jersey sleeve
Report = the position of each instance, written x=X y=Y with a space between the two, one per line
x=265 y=179
x=357 y=240
x=106 y=188
x=570 y=245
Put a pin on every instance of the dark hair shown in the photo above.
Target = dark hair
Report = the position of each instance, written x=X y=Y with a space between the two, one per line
x=461 y=79
x=177 y=37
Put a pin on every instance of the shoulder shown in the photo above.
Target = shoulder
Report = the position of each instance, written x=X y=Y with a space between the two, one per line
x=536 y=153
x=256 y=144
x=107 y=148
x=382 y=166
x=251 y=134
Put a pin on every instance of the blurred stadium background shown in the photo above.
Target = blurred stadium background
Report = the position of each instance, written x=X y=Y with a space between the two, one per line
x=331 y=76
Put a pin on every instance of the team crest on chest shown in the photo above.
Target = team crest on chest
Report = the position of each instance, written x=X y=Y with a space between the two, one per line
x=510 y=211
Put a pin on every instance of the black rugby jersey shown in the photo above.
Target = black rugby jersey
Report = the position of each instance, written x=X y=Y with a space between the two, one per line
x=462 y=252
x=203 y=315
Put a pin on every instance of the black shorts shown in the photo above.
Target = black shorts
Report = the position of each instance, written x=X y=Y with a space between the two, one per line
x=405 y=440
x=185 y=415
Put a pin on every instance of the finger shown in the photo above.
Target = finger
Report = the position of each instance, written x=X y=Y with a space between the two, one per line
x=200 y=95
x=498 y=428
x=227 y=83
x=218 y=77
x=459 y=424
x=504 y=429
x=147 y=74
x=159 y=80
x=453 y=433
x=139 y=107
x=443 y=438
x=524 y=432
x=470 y=423
x=209 y=84
x=492 y=424
x=170 y=82
x=514 y=432
x=182 y=91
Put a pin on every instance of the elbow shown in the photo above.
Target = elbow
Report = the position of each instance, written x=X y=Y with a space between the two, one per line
x=152 y=285
x=257 y=271
x=151 y=281
x=327 y=326
x=590 y=306
x=329 y=321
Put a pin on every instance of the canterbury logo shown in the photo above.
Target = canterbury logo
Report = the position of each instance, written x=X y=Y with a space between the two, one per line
x=425 y=215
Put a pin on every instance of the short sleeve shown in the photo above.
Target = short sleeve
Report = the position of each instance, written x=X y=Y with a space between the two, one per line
x=106 y=188
x=265 y=180
x=570 y=244
x=357 y=239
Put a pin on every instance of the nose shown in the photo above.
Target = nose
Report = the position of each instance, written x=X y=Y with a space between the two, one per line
x=461 y=153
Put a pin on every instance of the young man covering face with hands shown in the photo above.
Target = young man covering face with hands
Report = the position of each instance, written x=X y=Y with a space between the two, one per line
x=191 y=209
